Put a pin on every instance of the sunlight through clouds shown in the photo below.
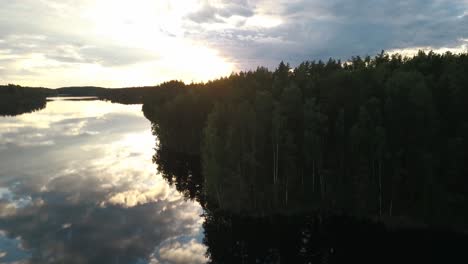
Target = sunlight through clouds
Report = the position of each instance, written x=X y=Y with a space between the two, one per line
x=119 y=43
x=158 y=28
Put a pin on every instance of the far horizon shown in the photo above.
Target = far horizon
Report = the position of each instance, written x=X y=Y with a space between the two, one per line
x=406 y=53
x=123 y=44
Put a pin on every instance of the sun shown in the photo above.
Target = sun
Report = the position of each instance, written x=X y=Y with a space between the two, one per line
x=158 y=28
x=157 y=33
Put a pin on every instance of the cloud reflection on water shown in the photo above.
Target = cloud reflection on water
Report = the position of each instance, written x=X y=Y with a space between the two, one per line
x=91 y=196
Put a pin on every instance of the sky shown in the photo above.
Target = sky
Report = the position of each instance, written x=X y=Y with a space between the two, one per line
x=123 y=43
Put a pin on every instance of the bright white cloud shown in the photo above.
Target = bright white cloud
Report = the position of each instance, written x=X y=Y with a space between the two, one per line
x=411 y=51
x=107 y=43
x=179 y=253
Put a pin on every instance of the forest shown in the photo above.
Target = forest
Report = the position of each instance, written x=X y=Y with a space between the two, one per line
x=15 y=100
x=383 y=137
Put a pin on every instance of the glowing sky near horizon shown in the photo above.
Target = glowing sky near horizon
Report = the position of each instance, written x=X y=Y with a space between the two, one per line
x=117 y=43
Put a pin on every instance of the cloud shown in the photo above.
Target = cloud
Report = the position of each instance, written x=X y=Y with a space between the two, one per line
x=337 y=28
x=65 y=49
x=209 y=13
x=179 y=253
x=133 y=198
x=62 y=43
x=93 y=234
x=88 y=43
x=462 y=47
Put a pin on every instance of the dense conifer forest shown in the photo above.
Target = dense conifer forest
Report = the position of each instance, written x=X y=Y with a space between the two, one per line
x=385 y=137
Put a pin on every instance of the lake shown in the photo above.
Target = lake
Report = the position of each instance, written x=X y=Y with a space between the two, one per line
x=78 y=185
x=85 y=181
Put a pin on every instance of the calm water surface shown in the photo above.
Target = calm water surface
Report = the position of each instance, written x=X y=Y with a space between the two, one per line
x=77 y=185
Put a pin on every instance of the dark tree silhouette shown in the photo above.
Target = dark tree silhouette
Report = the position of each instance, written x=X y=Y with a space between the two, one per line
x=384 y=136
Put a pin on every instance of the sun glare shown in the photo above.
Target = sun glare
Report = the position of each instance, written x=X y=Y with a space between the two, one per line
x=157 y=28
x=152 y=28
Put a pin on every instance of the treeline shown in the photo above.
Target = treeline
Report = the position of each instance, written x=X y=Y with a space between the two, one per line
x=15 y=100
x=130 y=95
x=385 y=136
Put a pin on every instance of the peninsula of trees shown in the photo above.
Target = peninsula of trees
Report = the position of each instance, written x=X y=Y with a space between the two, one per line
x=384 y=136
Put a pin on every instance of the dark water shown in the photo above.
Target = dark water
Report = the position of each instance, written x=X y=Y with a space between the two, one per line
x=77 y=185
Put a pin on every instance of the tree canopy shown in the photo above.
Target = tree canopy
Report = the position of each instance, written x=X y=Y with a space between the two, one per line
x=384 y=136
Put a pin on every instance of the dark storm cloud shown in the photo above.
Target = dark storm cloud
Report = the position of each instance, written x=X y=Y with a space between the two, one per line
x=339 y=28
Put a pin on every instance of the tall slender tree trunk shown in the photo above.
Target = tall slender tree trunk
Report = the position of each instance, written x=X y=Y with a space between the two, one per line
x=313 y=175
x=380 y=187
x=274 y=167
x=373 y=179
x=277 y=158
x=391 y=206
x=275 y=164
x=322 y=186
x=219 y=197
x=302 y=176
x=240 y=175
x=286 y=192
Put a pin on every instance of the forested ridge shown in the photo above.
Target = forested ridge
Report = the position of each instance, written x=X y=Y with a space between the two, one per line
x=382 y=136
